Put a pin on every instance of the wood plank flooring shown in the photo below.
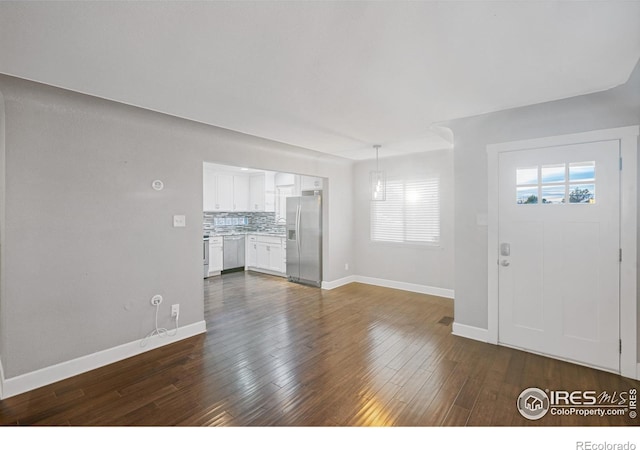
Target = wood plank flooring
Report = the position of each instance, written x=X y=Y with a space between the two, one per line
x=282 y=354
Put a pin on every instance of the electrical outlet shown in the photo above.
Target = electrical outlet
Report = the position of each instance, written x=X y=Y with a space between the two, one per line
x=175 y=310
x=156 y=300
x=346 y=266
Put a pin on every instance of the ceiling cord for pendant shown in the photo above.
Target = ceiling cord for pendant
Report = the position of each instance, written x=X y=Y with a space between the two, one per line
x=377 y=180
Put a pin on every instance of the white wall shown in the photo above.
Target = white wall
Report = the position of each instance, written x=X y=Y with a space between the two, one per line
x=422 y=265
x=609 y=109
x=88 y=242
x=2 y=220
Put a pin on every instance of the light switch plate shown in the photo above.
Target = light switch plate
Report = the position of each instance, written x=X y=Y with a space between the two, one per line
x=179 y=221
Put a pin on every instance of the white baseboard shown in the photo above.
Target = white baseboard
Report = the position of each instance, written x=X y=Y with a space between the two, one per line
x=467 y=331
x=411 y=287
x=1 y=379
x=42 y=377
x=328 y=285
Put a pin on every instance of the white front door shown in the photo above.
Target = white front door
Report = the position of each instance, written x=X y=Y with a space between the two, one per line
x=559 y=252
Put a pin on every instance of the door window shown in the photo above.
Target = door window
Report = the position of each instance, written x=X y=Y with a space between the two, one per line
x=558 y=184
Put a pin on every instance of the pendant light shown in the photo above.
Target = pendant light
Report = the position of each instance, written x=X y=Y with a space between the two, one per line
x=377 y=181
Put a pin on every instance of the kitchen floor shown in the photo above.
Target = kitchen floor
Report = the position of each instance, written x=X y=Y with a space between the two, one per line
x=279 y=353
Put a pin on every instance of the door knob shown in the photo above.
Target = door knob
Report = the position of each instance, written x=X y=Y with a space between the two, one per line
x=504 y=263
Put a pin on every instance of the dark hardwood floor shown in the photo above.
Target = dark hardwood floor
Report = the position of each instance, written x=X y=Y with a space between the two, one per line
x=277 y=353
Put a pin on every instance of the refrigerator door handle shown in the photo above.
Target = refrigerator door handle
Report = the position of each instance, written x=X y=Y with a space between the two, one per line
x=298 y=212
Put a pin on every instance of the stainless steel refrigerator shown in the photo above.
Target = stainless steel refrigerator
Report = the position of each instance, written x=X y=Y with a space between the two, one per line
x=304 y=238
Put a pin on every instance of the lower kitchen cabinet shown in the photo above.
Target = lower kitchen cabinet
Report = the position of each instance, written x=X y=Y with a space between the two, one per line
x=266 y=253
x=262 y=260
x=215 y=254
x=276 y=258
x=252 y=251
x=270 y=256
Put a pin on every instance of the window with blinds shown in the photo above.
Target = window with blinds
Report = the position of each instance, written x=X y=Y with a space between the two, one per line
x=410 y=213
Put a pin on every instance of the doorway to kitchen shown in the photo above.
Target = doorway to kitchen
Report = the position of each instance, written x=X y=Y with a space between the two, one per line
x=2 y=214
x=245 y=219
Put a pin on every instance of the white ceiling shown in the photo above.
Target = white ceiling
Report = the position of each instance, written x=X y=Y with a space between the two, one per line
x=336 y=77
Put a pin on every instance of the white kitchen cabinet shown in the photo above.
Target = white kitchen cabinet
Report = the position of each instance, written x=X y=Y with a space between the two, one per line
x=240 y=193
x=224 y=192
x=215 y=254
x=210 y=190
x=267 y=253
x=284 y=179
x=262 y=192
x=262 y=256
x=270 y=191
x=310 y=183
x=306 y=183
x=275 y=258
x=257 y=192
x=252 y=251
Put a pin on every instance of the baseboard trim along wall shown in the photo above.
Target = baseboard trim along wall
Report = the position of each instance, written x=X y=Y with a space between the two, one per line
x=42 y=377
x=1 y=379
x=328 y=285
x=411 y=287
x=469 y=332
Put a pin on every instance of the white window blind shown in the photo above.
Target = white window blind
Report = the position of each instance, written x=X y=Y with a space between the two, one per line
x=411 y=212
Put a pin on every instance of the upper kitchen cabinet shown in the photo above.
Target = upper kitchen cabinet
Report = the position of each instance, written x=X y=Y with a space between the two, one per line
x=217 y=192
x=229 y=189
x=240 y=193
x=270 y=191
x=209 y=191
x=224 y=191
x=287 y=184
x=262 y=192
x=310 y=183
x=256 y=192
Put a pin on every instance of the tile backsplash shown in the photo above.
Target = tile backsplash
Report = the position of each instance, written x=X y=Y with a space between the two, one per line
x=241 y=222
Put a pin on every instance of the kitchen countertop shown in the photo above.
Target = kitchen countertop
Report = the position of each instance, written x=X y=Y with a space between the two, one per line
x=258 y=233
x=267 y=233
